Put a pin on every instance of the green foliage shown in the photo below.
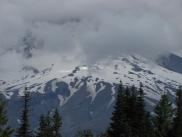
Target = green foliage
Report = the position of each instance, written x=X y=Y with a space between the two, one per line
x=177 y=129
x=57 y=123
x=42 y=127
x=50 y=126
x=5 y=130
x=24 y=129
x=119 y=126
x=129 y=118
x=45 y=127
x=142 y=124
x=163 y=117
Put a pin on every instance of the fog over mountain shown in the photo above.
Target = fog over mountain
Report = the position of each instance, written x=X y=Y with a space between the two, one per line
x=72 y=54
x=72 y=32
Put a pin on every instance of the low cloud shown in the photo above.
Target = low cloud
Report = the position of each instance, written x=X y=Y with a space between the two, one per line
x=84 y=31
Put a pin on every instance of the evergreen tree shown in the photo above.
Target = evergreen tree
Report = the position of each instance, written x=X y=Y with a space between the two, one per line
x=129 y=117
x=131 y=111
x=142 y=121
x=177 y=129
x=57 y=123
x=48 y=131
x=140 y=114
x=5 y=130
x=163 y=117
x=119 y=126
x=24 y=129
x=148 y=130
x=50 y=126
x=42 y=128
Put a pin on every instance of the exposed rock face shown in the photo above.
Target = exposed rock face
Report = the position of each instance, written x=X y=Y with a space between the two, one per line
x=85 y=95
x=172 y=62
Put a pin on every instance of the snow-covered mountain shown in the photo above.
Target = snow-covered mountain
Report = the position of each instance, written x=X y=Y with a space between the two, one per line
x=85 y=95
x=172 y=62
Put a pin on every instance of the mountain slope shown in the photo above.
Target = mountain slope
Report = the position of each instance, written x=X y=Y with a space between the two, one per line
x=85 y=95
x=172 y=62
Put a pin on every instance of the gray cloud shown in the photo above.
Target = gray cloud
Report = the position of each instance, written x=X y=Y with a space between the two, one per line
x=90 y=30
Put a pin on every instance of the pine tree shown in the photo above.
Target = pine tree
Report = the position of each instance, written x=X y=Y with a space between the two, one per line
x=119 y=127
x=24 y=129
x=148 y=130
x=48 y=132
x=42 y=128
x=140 y=113
x=132 y=111
x=57 y=123
x=177 y=129
x=142 y=120
x=49 y=126
x=163 y=117
x=130 y=118
x=5 y=130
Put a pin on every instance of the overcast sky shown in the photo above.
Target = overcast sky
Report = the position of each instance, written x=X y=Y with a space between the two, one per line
x=87 y=30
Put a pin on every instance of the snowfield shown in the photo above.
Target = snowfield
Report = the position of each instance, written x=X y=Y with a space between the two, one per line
x=85 y=94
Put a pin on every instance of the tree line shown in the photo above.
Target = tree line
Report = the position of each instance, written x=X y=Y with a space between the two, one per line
x=49 y=124
x=129 y=118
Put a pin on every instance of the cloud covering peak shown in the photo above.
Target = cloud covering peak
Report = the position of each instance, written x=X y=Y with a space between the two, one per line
x=88 y=30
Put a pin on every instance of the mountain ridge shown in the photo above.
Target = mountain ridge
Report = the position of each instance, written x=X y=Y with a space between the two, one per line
x=85 y=95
